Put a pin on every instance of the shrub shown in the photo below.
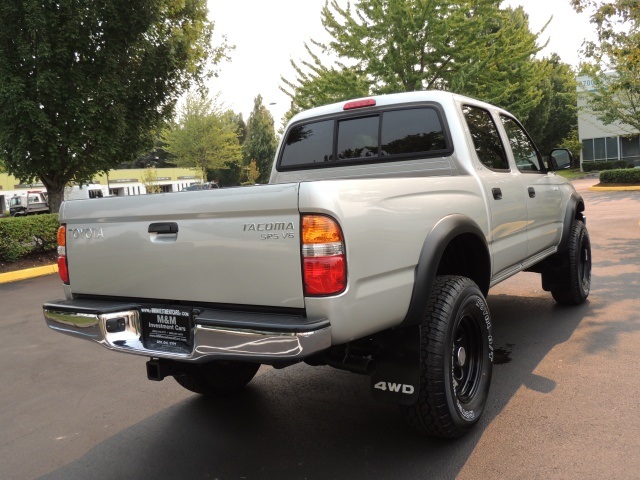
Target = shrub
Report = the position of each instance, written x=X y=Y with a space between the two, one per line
x=599 y=166
x=626 y=175
x=20 y=236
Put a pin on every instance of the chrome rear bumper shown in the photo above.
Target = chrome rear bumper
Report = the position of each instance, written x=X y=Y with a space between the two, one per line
x=216 y=334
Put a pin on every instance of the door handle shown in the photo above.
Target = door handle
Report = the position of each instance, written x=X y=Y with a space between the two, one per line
x=532 y=192
x=497 y=193
x=168 y=227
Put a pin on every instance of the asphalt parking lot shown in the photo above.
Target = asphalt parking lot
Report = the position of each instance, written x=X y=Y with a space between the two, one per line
x=563 y=401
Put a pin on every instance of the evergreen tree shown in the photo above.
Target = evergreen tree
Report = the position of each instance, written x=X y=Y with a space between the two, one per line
x=552 y=122
x=261 y=144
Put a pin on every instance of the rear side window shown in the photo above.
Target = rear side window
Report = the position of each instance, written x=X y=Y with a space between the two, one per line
x=412 y=131
x=309 y=144
x=486 y=138
x=384 y=136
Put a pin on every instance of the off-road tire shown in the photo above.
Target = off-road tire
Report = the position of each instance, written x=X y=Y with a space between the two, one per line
x=456 y=355
x=572 y=288
x=217 y=378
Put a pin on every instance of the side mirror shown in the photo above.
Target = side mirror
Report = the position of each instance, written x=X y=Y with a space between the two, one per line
x=560 y=159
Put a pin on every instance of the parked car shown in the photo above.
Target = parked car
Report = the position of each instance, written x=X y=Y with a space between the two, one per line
x=201 y=186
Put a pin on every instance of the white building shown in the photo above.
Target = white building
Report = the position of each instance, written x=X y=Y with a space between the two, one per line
x=116 y=183
x=602 y=142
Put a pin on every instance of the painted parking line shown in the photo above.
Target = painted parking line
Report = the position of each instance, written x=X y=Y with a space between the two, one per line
x=615 y=189
x=28 y=273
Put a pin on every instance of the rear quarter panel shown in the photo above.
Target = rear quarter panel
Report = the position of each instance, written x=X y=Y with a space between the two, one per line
x=385 y=223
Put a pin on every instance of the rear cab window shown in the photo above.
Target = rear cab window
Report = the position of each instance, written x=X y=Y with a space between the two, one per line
x=366 y=137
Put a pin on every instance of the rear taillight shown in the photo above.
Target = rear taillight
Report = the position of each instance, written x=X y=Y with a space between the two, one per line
x=324 y=262
x=63 y=269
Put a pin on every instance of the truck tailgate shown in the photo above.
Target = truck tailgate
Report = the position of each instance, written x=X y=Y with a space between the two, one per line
x=233 y=246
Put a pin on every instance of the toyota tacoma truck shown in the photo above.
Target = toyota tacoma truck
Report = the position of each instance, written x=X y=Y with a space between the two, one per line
x=385 y=223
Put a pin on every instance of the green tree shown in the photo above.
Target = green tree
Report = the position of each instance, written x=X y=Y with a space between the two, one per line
x=203 y=137
x=150 y=180
x=261 y=144
x=472 y=47
x=573 y=143
x=251 y=173
x=156 y=157
x=241 y=125
x=614 y=61
x=84 y=83
x=230 y=174
x=553 y=120
x=317 y=84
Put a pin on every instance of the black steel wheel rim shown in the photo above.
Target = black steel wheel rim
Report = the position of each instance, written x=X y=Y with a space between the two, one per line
x=584 y=266
x=467 y=358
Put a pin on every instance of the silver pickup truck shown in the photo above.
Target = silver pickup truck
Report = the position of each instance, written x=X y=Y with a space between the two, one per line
x=384 y=225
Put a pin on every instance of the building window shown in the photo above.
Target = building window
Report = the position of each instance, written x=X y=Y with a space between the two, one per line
x=599 y=149
x=612 y=148
x=630 y=147
x=587 y=150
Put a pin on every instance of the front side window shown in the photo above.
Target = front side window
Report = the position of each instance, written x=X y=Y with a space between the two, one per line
x=486 y=138
x=381 y=136
x=524 y=151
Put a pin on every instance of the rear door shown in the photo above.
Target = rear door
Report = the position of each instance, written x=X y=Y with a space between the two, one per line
x=508 y=210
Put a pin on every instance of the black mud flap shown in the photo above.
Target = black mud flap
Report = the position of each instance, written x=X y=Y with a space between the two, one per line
x=397 y=375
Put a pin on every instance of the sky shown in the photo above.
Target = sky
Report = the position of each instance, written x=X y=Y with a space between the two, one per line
x=269 y=34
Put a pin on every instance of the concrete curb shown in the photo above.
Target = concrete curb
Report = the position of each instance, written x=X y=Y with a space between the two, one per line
x=28 y=273
x=634 y=188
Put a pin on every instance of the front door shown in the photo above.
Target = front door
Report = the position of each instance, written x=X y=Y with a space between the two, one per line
x=540 y=188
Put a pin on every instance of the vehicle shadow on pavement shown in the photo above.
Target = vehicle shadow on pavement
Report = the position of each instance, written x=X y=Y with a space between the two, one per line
x=304 y=422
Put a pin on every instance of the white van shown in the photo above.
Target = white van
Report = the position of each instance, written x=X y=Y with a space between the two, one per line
x=82 y=192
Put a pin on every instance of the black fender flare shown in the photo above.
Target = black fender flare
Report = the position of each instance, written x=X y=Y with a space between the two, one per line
x=575 y=207
x=433 y=248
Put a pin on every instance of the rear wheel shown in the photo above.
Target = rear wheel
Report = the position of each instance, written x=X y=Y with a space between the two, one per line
x=217 y=378
x=456 y=354
x=574 y=282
